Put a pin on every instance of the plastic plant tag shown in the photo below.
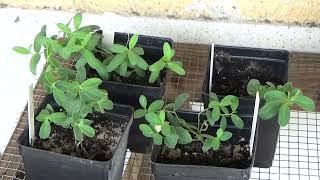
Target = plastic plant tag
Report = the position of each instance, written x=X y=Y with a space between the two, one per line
x=31 y=116
x=254 y=122
x=108 y=38
x=211 y=67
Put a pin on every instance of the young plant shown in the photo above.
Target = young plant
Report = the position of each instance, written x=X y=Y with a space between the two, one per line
x=72 y=92
x=279 y=100
x=166 y=127
x=127 y=60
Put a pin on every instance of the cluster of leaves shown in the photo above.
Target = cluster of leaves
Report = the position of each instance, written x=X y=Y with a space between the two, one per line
x=127 y=60
x=279 y=100
x=166 y=127
x=71 y=91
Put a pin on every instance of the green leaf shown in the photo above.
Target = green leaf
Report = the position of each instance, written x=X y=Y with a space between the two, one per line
x=225 y=136
x=207 y=145
x=146 y=130
x=215 y=115
x=286 y=88
x=59 y=96
x=77 y=133
x=284 y=115
x=213 y=104
x=134 y=58
x=81 y=74
x=157 y=66
x=162 y=116
x=154 y=76
x=180 y=100
x=167 y=52
x=224 y=110
x=104 y=104
x=305 y=103
x=64 y=28
x=215 y=144
x=178 y=63
x=231 y=100
x=139 y=113
x=34 y=62
x=143 y=101
x=223 y=123
x=166 y=129
x=133 y=41
x=138 y=50
x=77 y=19
x=253 y=87
x=87 y=130
x=93 y=42
x=237 y=121
x=91 y=59
x=276 y=95
x=40 y=39
x=156 y=105
x=21 y=50
x=43 y=115
x=123 y=71
x=176 y=68
x=271 y=84
x=153 y=119
x=171 y=140
x=116 y=62
x=157 y=139
x=117 y=48
x=142 y=64
x=219 y=133
x=57 y=117
x=49 y=109
x=45 y=129
x=89 y=28
x=184 y=135
x=91 y=83
x=269 y=110
x=213 y=97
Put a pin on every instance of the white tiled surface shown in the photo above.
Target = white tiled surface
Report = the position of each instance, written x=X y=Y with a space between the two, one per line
x=298 y=152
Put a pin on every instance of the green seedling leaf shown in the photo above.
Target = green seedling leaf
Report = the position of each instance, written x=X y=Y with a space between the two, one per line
x=287 y=87
x=171 y=140
x=213 y=97
x=162 y=116
x=225 y=136
x=59 y=96
x=34 y=62
x=223 y=123
x=176 y=68
x=58 y=117
x=45 y=129
x=167 y=52
x=284 y=115
x=92 y=42
x=43 y=115
x=184 y=135
x=166 y=129
x=138 y=50
x=215 y=115
x=116 y=62
x=40 y=39
x=215 y=144
x=179 y=63
x=139 y=113
x=49 y=109
x=219 y=133
x=64 y=28
x=207 y=145
x=156 y=105
x=81 y=74
x=153 y=119
x=77 y=19
x=180 y=100
x=270 y=84
x=87 y=130
x=237 y=121
x=157 y=66
x=91 y=59
x=143 y=101
x=91 y=83
x=230 y=100
x=123 y=71
x=224 y=109
x=146 y=130
x=213 y=104
x=21 y=50
x=154 y=76
x=275 y=95
x=117 y=48
x=77 y=133
x=305 y=103
x=133 y=41
x=89 y=28
x=157 y=139
x=269 y=110
x=253 y=87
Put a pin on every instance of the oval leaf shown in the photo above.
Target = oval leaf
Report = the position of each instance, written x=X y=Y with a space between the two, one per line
x=146 y=130
x=226 y=136
x=305 y=103
x=21 y=50
x=284 y=115
x=275 y=95
x=77 y=19
x=269 y=110
x=237 y=121
x=153 y=119
x=180 y=100
x=45 y=130
x=156 y=105
x=34 y=62
x=133 y=41
x=139 y=113
x=176 y=68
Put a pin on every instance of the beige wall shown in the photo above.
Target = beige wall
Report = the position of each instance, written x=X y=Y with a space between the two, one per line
x=306 y=12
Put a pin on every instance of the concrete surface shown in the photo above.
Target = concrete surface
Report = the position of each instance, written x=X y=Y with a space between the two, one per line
x=18 y=27
x=303 y=12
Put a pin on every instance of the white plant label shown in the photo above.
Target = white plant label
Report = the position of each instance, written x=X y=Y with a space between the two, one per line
x=254 y=122
x=108 y=39
x=211 y=67
x=31 y=116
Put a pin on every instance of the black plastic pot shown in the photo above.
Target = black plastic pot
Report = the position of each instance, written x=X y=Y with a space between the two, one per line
x=40 y=164
x=277 y=62
x=164 y=171
x=129 y=93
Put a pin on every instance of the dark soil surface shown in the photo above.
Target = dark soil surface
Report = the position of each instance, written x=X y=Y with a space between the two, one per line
x=234 y=156
x=232 y=74
x=99 y=148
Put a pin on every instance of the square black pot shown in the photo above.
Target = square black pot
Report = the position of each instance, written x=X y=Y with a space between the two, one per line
x=276 y=61
x=129 y=94
x=40 y=164
x=164 y=171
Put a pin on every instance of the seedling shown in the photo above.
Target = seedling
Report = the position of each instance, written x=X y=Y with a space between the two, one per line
x=166 y=127
x=127 y=60
x=72 y=92
x=279 y=100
